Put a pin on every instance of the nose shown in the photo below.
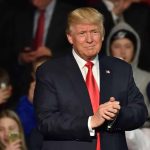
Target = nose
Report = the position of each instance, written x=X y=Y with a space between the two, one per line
x=6 y=136
x=123 y=51
x=89 y=38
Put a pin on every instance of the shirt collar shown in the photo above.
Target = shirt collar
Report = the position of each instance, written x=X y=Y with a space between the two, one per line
x=81 y=62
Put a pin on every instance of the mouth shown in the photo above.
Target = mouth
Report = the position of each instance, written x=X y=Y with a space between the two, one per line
x=90 y=47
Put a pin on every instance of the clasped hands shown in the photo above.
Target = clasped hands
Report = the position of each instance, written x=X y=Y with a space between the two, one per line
x=105 y=112
x=28 y=55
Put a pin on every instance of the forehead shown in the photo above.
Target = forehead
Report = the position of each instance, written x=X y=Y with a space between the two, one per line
x=122 y=40
x=84 y=26
x=6 y=122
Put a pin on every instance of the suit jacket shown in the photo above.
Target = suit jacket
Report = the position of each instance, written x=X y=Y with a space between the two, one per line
x=63 y=105
x=138 y=16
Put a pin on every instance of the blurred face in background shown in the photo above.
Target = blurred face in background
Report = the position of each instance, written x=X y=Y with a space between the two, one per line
x=7 y=125
x=41 y=4
x=123 y=49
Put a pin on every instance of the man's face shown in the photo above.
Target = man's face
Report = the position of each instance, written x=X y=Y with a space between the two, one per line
x=41 y=4
x=86 y=40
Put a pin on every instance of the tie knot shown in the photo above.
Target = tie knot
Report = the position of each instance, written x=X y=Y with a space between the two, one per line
x=89 y=64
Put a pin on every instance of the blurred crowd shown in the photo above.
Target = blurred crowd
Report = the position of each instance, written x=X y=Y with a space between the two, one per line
x=127 y=36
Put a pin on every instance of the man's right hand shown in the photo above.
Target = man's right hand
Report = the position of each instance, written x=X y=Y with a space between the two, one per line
x=107 y=111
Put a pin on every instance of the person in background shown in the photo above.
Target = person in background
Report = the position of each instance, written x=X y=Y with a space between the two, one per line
x=25 y=109
x=69 y=115
x=44 y=19
x=53 y=37
x=128 y=11
x=5 y=90
x=11 y=132
x=124 y=43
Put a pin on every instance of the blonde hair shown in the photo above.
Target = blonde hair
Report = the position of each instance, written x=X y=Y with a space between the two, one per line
x=11 y=114
x=85 y=15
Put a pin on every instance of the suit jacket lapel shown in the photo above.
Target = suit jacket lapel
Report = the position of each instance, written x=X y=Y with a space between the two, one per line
x=105 y=80
x=79 y=85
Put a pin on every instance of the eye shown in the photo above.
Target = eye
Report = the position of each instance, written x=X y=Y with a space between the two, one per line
x=95 y=32
x=12 y=128
x=82 y=33
x=128 y=46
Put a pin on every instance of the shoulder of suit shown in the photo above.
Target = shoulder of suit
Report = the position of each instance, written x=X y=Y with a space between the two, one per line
x=114 y=62
x=54 y=62
x=51 y=67
x=113 y=59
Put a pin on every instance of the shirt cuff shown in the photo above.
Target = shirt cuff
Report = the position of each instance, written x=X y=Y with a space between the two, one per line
x=91 y=131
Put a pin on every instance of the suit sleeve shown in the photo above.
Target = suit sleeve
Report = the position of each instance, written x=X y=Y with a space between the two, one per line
x=133 y=112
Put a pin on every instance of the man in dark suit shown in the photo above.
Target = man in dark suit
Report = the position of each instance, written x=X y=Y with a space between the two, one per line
x=132 y=12
x=23 y=32
x=54 y=39
x=66 y=115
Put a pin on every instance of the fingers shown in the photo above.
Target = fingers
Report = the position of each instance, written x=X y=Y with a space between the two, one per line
x=110 y=114
x=107 y=111
x=43 y=51
x=110 y=109
x=27 y=57
x=5 y=94
x=16 y=145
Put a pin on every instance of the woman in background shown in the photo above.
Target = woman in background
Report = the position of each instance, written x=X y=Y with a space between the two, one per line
x=11 y=132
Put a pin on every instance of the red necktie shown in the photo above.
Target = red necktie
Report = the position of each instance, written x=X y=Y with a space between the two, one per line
x=38 y=40
x=93 y=93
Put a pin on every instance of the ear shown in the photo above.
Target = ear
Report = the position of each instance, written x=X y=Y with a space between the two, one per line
x=102 y=38
x=69 y=37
